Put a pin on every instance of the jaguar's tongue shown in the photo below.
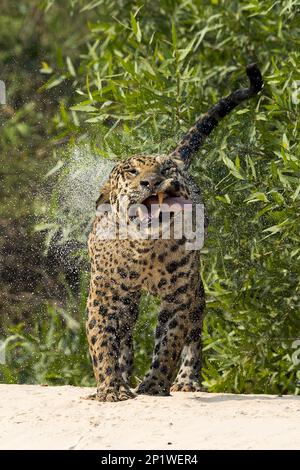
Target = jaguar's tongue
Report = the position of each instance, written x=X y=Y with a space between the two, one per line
x=178 y=202
x=156 y=204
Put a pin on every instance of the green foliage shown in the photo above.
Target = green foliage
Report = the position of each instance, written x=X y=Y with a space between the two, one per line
x=147 y=70
x=54 y=350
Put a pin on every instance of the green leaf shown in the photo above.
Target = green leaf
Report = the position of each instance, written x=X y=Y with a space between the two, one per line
x=276 y=228
x=70 y=67
x=187 y=50
x=174 y=35
x=257 y=196
x=234 y=170
x=53 y=82
x=84 y=108
x=136 y=27
x=285 y=143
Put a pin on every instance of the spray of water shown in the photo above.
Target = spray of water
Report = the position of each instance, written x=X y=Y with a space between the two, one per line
x=78 y=181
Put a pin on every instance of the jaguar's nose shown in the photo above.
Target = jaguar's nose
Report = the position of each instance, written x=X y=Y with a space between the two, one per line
x=151 y=182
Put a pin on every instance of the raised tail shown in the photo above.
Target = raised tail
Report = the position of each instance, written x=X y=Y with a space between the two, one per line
x=195 y=137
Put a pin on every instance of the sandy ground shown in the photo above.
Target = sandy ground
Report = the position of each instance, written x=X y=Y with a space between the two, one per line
x=37 y=417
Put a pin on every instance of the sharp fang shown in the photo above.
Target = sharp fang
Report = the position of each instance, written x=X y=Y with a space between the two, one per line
x=140 y=213
x=160 y=197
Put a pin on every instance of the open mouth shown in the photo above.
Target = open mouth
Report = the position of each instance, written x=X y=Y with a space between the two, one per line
x=154 y=206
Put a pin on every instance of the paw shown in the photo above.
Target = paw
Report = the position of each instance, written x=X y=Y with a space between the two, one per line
x=186 y=387
x=112 y=394
x=150 y=388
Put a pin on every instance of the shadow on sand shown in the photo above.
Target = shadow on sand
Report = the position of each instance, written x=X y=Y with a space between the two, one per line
x=214 y=398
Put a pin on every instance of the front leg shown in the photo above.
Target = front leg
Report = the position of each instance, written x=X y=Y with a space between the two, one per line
x=126 y=341
x=103 y=332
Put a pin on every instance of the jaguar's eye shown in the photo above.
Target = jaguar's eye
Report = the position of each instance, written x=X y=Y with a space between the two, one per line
x=132 y=171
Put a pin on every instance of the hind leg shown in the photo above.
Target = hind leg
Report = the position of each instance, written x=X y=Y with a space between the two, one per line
x=176 y=319
x=168 y=346
x=188 y=377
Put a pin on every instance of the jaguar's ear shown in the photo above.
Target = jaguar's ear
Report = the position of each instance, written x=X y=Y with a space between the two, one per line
x=179 y=161
x=165 y=159
x=104 y=197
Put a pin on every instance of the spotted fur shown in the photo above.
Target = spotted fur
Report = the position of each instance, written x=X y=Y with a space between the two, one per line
x=122 y=269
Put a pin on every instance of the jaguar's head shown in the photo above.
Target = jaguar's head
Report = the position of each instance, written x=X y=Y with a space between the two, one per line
x=146 y=180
